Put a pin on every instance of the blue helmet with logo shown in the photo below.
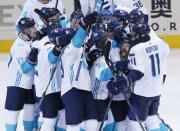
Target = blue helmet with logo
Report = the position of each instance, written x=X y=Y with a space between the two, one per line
x=77 y=14
x=136 y=17
x=25 y=23
x=121 y=16
x=141 y=29
x=106 y=14
x=120 y=34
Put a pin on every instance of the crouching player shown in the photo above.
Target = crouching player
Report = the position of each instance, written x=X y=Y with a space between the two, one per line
x=21 y=70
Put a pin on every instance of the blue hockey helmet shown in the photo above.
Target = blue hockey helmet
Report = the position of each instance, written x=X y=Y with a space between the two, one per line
x=77 y=14
x=54 y=31
x=121 y=16
x=25 y=23
x=120 y=34
x=106 y=15
x=136 y=17
x=141 y=29
x=99 y=37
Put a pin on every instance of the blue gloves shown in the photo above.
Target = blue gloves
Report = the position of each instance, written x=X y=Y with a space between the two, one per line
x=118 y=84
x=60 y=37
x=120 y=66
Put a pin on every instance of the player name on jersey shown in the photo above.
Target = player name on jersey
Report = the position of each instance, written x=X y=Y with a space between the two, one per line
x=151 y=49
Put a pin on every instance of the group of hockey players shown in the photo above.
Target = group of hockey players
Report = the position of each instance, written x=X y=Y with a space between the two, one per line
x=103 y=68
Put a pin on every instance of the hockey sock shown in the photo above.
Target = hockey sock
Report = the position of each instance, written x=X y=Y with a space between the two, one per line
x=152 y=123
x=133 y=126
x=28 y=117
x=11 y=120
x=73 y=127
x=163 y=127
x=121 y=126
x=91 y=125
x=61 y=123
x=82 y=129
x=35 y=126
x=48 y=124
x=110 y=127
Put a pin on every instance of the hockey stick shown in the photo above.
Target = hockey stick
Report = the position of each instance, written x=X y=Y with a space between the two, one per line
x=109 y=63
x=57 y=1
x=161 y=119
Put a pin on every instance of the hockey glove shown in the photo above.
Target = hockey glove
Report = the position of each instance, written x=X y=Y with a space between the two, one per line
x=89 y=19
x=62 y=41
x=120 y=66
x=61 y=38
x=32 y=58
x=40 y=34
x=92 y=56
x=118 y=84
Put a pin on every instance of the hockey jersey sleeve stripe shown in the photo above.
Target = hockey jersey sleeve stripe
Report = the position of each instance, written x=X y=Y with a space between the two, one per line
x=79 y=37
x=52 y=58
x=106 y=75
x=27 y=67
x=114 y=44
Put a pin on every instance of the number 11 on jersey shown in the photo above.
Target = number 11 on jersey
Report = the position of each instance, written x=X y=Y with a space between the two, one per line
x=155 y=64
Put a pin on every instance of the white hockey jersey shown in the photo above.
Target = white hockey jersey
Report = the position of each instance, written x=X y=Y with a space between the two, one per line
x=130 y=4
x=88 y=6
x=44 y=70
x=149 y=58
x=100 y=74
x=70 y=61
x=18 y=55
x=30 y=5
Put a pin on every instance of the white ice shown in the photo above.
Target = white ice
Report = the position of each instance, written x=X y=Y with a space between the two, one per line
x=170 y=100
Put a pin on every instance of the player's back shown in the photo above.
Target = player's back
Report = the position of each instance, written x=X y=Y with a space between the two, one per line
x=149 y=58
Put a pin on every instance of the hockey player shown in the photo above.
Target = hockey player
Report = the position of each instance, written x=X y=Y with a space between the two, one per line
x=76 y=87
x=48 y=62
x=99 y=72
x=147 y=59
x=119 y=106
x=31 y=5
x=21 y=69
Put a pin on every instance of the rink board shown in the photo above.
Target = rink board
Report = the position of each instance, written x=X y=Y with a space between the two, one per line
x=172 y=40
